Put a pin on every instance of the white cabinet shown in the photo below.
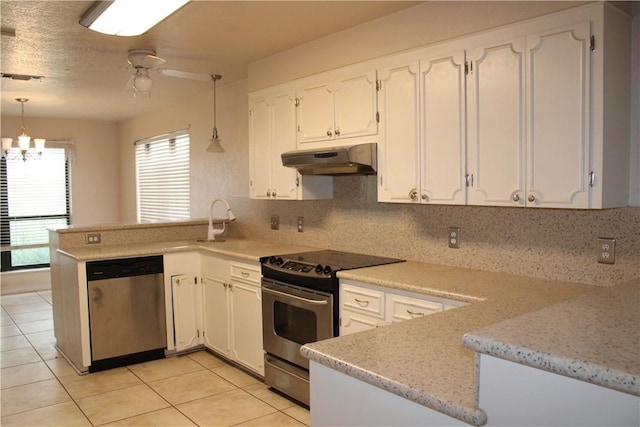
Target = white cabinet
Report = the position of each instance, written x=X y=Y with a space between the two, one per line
x=512 y=117
x=233 y=311
x=364 y=306
x=182 y=300
x=335 y=107
x=272 y=131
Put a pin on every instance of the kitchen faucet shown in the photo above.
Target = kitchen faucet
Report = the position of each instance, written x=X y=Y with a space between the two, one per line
x=213 y=232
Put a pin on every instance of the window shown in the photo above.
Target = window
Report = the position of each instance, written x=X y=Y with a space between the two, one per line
x=162 y=170
x=35 y=197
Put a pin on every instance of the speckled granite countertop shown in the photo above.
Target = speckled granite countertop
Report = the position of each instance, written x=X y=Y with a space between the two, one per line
x=424 y=360
x=593 y=338
x=250 y=250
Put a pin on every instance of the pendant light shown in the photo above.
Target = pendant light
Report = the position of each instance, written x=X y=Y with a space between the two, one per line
x=214 y=142
x=24 y=140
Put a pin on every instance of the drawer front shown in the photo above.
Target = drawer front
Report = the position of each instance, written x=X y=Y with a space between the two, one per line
x=246 y=272
x=405 y=308
x=363 y=300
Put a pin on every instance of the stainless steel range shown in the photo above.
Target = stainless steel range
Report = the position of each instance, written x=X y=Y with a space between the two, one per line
x=300 y=305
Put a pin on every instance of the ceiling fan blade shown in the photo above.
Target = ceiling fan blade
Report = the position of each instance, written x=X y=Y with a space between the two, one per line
x=152 y=61
x=185 y=75
x=129 y=85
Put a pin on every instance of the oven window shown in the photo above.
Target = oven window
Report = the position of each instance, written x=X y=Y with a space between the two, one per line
x=294 y=323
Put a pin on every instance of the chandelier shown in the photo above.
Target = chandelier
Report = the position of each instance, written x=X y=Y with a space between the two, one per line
x=24 y=142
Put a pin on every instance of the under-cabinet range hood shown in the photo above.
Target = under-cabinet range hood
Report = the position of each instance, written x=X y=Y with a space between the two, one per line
x=361 y=159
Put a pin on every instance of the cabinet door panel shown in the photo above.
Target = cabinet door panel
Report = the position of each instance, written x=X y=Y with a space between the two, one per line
x=185 y=320
x=496 y=135
x=399 y=147
x=315 y=113
x=558 y=94
x=216 y=315
x=247 y=325
x=356 y=106
x=284 y=139
x=260 y=135
x=443 y=128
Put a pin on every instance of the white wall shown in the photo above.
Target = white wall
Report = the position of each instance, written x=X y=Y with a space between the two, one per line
x=94 y=171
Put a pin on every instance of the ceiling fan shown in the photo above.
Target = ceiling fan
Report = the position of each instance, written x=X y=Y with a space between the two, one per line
x=143 y=60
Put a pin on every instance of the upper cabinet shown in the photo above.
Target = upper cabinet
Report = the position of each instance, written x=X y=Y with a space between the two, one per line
x=272 y=131
x=336 y=107
x=514 y=117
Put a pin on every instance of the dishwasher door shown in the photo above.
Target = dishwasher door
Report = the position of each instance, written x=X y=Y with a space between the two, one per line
x=126 y=316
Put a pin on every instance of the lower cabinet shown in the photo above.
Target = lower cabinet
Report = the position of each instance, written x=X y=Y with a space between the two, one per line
x=364 y=306
x=186 y=321
x=232 y=311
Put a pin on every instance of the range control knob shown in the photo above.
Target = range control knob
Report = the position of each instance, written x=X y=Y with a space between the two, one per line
x=327 y=270
x=279 y=261
x=272 y=260
x=319 y=268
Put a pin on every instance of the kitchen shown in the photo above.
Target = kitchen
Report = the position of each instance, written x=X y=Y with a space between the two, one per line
x=561 y=245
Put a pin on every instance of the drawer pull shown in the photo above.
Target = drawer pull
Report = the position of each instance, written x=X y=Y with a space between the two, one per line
x=245 y=274
x=362 y=302
x=415 y=313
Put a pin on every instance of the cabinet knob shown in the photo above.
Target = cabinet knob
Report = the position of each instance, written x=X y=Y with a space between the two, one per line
x=337 y=131
x=268 y=193
x=413 y=194
x=424 y=197
x=273 y=193
x=531 y=198
x=329 y=134
x=516 y=197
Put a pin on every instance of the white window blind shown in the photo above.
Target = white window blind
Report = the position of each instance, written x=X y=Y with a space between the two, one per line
x=35 y=197
x=162 y=169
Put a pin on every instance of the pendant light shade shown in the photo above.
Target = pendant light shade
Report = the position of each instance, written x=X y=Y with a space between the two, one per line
x=24 y=140
x=214 y=142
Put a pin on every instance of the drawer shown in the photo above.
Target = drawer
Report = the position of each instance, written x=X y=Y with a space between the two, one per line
x=246 y=272
x=404 y=308
x=363 y=300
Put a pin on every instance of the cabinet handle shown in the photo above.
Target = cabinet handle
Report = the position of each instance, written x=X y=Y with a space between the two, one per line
x=516 y=197
x=230 y=285
x=244 y=274
x=531 y=198
x=362 y=302
x=337 y=131
x=413 y=194
x=329 y=134
x=415 y=313
x=225 y=285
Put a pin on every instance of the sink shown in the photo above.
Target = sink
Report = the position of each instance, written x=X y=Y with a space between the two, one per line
x=210 y=241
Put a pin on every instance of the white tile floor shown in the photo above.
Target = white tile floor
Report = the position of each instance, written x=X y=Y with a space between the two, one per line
x=39 y=387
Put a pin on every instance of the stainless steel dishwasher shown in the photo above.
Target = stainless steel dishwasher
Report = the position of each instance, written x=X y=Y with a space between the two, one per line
x=126 y=311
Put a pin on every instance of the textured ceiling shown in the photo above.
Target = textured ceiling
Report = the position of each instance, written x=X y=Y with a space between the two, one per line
x=85 y=72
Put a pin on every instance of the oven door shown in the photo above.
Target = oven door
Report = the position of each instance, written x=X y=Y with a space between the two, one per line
x=293 y=316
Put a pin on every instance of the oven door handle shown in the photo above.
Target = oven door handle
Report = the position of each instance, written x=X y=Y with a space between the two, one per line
x=285 y=295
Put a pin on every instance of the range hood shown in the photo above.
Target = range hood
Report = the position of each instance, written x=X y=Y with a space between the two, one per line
x=361 y=159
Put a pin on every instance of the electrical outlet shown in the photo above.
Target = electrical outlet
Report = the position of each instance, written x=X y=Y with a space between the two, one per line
x=454 y=237
x=606 y=250
x=300 y=224
x=275 y=222
x=92 y=239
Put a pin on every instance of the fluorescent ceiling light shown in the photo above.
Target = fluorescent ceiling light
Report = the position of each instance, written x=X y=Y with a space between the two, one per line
x=128 y=17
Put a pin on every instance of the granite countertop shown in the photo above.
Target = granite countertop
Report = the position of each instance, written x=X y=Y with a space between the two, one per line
x=424 y=360
x=250 y=250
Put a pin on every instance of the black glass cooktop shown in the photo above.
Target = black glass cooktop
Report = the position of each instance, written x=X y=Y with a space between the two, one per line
x=339 y=260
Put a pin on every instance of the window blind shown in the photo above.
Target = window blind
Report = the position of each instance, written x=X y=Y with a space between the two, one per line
x=163 y=179
x=35 y=197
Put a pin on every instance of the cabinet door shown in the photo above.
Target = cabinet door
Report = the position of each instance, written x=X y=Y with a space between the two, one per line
x=284 y=179
x=558 y=118
x=356 y=105
x=246 y=312
x=261 y=157
x=443 y=128
x=185 y=319
x=315 y=113
x=351 y=322
x=399 y=146
x=216 y=314
x=496 y=117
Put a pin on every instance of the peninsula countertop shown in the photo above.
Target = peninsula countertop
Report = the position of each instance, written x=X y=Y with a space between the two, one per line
x=424 y=360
